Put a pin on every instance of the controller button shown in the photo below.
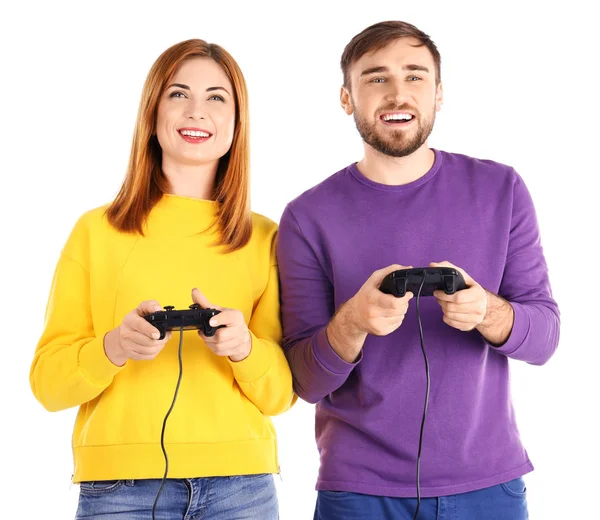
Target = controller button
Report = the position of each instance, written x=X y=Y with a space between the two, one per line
x=449 y=283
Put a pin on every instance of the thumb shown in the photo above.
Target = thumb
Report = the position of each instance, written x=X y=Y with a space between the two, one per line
x=378 y=276
x=148 y=307
x=200 y=299
x=468 y=280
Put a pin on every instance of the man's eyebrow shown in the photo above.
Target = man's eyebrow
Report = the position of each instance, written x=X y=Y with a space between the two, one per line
x=422 y=68
x=380 y=69
x=373 y=70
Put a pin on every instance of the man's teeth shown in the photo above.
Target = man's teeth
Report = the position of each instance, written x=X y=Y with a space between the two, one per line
x=194 y=133
x=397 y=117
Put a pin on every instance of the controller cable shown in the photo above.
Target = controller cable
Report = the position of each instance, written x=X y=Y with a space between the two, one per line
x=426 y=400
x=162 y=435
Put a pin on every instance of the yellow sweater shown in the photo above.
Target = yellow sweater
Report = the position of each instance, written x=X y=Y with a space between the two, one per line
x=219 y=425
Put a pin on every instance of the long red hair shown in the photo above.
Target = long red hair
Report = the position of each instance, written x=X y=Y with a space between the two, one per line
x=145 y=182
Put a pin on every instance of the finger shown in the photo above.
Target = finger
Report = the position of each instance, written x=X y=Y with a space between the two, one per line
x=227 y=348
x=199 y=298
x=390 y=302
x=140 y=356
x=460 y=318
x=388 y=321
x=385 y=302
x=468 y=280
x=141 y=326
x=224 y=336
x=148 y=307
x=227 y=317
x=457 y=325
x=139 y=340
x=392 y=314
x=136 y=351
x=445 y=263
x=441 y=296
x=386 y=326
x=377 y=277
x=461 y=308
x=405 y=299
x=239 y=332
x=466 y=296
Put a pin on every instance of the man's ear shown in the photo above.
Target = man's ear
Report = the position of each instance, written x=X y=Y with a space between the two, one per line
x=346 y=101
x=439 y=98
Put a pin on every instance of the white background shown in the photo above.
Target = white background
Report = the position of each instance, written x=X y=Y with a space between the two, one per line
x=520 y=88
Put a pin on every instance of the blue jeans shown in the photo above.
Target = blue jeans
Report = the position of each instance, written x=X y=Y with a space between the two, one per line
x=503 y=502
x=247 y=497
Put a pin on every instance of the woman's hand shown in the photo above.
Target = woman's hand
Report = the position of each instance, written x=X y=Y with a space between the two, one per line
x=135 y=338
x=234 y=340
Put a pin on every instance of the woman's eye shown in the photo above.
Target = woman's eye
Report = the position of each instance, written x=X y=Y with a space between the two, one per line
x=177 y=94
x=216 y=97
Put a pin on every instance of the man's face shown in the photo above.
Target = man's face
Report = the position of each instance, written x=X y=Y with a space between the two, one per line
x=393 y=97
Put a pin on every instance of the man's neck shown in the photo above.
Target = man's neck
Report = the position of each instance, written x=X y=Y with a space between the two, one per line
x=396 y=171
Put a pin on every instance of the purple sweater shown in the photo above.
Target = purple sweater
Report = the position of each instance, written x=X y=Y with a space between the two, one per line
x=476 y=214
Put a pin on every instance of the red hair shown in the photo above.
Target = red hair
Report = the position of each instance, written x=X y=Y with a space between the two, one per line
x=145 y=182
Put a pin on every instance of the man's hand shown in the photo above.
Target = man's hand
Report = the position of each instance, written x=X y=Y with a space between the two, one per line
x=474 y=307
x=369 y=311
x=463 y=310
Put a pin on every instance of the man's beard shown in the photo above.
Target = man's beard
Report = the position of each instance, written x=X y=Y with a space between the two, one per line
x=397 y=143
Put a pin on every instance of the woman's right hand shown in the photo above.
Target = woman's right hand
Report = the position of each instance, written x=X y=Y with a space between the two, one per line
x=135 y=338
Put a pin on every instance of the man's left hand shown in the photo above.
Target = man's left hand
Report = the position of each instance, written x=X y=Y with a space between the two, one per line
x=464 y=310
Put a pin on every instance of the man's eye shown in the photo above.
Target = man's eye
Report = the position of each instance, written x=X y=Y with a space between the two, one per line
x=378 y=80
x=413 y=78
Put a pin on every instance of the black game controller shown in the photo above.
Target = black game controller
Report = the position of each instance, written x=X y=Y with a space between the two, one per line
x=444 y=279
x=194 y=318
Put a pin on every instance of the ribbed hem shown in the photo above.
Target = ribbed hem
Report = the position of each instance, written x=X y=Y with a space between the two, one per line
x=328 y=358
x=256 y=365
x=426 y=491
x=360 y=177
x=142 y=461
x=95 y=365
x=519 y=332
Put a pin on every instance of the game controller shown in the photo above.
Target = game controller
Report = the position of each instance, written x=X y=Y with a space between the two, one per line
x=402 y=281
x=194 y=318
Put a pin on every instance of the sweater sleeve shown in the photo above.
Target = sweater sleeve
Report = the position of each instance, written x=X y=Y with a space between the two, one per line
x=307 y=308
x=525 y=284
x=70 y=367
x=265 y=376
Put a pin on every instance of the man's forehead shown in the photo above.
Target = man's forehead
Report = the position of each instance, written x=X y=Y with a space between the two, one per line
x=397 y=51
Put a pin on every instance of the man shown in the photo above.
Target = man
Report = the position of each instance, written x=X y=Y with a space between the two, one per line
x=355 y=351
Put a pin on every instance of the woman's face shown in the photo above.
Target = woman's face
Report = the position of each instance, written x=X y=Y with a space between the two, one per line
x=196 y=115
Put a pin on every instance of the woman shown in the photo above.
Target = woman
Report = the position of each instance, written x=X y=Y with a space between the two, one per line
x=181 y=221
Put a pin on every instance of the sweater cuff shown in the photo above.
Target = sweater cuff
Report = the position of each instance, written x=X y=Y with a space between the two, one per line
x=95 y=365
x=256 y=365
x=519 y=332
x=329 y=358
